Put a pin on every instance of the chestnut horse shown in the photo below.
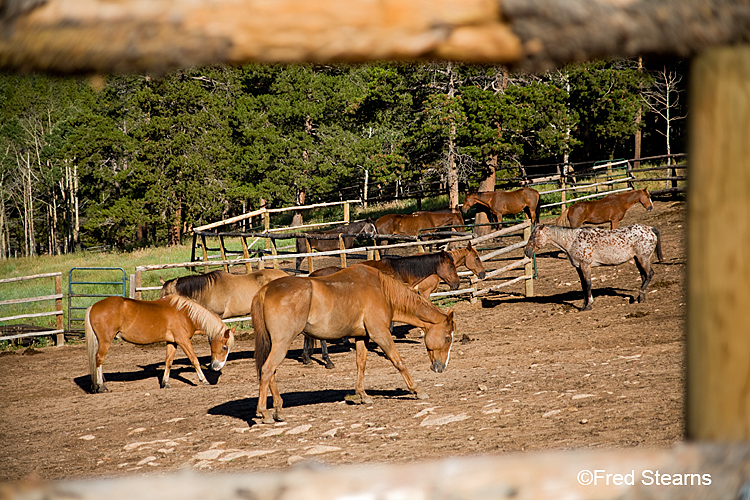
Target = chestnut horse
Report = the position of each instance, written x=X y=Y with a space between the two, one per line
x=610 y=209
x=588 y=247
x=358 y=302
x=411 y=270
x=172 y=319
x=363 y=227
x=467 y=256
x=412 y=224
x=225 y=294
x=501 y=203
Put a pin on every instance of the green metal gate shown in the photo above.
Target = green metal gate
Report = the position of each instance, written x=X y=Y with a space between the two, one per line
x=83 y=290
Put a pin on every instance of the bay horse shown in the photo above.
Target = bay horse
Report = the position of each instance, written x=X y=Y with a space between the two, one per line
x=610 y=209
x=467 y=256
x=364 y=227
x=358 y=302
x=501 y=203
x=412 y=224
x=410 y=270
x=587 y=247
x=173 y=319
x=224 y=294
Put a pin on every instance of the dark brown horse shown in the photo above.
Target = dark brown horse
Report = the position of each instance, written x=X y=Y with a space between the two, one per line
x=610 y=209
x=467 y=256
x=354 y=229
x=358 y=302
x=410 y=270
x=501 y=203
x=412 y=224
x=225 y=294
x=173 y=319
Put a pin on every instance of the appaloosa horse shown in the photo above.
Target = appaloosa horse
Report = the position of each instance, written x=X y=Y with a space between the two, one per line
x=588 y=247
x=610 y=209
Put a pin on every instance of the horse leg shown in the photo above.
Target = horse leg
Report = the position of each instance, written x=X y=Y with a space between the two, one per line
x=307 y=350
x=98 y=382
x=171 y=350
x=268 y=379
x=324 y=354
x=187 y=348
x=584 y=273
x=647 y=272
x=385 y=342
x=359 y=390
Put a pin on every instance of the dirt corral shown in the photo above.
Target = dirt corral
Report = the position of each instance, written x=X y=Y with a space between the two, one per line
x=525 y=374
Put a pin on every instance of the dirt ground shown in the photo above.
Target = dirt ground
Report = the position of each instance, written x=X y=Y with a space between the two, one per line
x=525 y=374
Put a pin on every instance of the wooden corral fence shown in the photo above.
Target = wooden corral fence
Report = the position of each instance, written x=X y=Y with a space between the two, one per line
x=57 y=312
x=264 y=214
x=373 y=251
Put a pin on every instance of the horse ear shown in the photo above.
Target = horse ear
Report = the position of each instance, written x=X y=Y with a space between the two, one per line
x=161 y=280
x=450 y=314
x=469 y=245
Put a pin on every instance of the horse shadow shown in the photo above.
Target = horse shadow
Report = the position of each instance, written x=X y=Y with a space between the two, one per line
x=572 y=298
x=180 y=367
x=244 y=409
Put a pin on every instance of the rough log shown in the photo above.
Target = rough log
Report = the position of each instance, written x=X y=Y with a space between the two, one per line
x=156 y=36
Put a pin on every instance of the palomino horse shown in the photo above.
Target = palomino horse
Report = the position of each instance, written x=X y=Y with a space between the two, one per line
x=363 y=227
x=467 y=256
x=411 y=270
x=587 y=247
x=501 y=203
x=172 y=319
x=610 y=209
x=412 y=224
x=357 y=302
x=222 y=293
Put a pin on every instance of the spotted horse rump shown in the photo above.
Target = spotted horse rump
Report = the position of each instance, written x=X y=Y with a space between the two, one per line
x=587 y=247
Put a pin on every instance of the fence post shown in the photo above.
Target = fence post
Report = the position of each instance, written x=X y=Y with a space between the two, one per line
x=267 y=227
x=309 y=257
x=205 y=253
x=223 y=253
x=529 y=266
x=246 y=254
x=346 y=212
x=131 y=292
x=342 y=247
x=59 y=308
x=137 y=285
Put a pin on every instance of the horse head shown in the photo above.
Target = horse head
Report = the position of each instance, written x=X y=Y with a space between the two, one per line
x=167 y=288
x=536 y=241
x=469 y=202
x=221 y=345
x=446 y=269
x=645 y=199
x=473 y=262
x=438 y=340
x=369 y=229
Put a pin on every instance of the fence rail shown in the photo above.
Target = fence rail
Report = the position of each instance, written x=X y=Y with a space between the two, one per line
x=57 y=312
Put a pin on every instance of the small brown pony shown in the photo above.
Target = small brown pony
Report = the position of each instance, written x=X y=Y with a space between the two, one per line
x=225 y=294
x=172 y=319
x=467 y=256
x=501 y=203
x=364 y=227
x=357 y=302
x=412 y=224
x=610 y=209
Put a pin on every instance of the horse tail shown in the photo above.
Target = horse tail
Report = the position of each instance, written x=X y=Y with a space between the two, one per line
x=537 y=208
x=658 y=244
x=262 y=337
x=563 y=217
x=92 y=344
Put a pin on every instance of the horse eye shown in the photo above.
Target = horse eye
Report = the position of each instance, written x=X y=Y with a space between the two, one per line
x=224 y=347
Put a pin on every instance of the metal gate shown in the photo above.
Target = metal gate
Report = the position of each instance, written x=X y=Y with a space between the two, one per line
x=83 y=289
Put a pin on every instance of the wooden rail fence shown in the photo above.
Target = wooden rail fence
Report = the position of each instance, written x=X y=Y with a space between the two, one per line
x=57 y=312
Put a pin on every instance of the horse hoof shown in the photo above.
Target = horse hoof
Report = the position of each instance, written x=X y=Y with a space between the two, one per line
x=166 y=386
x=278 y=417
x=99 y=389
x=585 y=308
x=330 y=366
x=205 y=382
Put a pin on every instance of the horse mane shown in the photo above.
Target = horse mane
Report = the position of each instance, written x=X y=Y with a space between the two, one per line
x=400 y=296
x=418 y=266
x=193 y=286
x=210 y=322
